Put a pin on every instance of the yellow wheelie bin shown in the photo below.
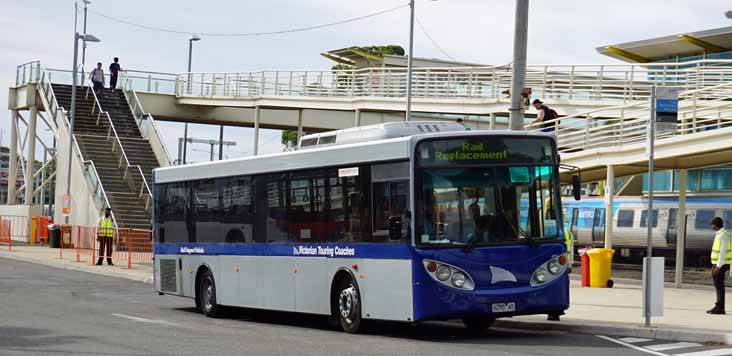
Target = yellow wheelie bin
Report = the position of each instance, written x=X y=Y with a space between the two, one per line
x=600 y=266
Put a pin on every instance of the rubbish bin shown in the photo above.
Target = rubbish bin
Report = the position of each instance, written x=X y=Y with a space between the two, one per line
x=54 y=236
x=585 y=266
x=600 y=265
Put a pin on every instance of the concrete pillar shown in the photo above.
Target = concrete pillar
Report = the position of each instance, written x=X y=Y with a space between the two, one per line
x=32 y=121
x=609 y=197
x=257 y=112
x=299 y=126
x=13 y=157
x=680 y=230
x=492 y=123
x=221 y=143
x=357 y=118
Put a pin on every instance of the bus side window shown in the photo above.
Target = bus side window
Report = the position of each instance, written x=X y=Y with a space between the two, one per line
x=390 y=191
x=237 y=208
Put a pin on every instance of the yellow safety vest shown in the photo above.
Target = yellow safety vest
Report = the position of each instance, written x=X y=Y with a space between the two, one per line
x=569 y=239
x=106 y=227
x=717 y=247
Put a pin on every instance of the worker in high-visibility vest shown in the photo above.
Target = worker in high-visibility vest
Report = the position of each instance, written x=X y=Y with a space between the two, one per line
x=721 y=260
x=569 y=239
x=105 y=232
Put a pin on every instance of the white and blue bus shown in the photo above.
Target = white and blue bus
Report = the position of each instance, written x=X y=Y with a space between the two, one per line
x=399 y=221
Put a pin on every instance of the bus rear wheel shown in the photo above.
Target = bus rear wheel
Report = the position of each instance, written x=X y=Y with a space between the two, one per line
x=348 y=306
x=207 y=296
x=478 y=324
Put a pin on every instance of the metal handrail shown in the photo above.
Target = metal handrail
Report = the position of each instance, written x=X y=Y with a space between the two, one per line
x=134 y=102
x=46 y=86
x=123 y=155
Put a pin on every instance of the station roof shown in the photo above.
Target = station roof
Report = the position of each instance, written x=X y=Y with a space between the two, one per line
x=669 y=47
x=360 y=57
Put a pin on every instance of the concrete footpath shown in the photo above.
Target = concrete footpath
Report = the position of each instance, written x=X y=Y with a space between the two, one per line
x=614 y=312
x=67 y=259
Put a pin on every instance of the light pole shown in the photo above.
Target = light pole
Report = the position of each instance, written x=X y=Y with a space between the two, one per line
x=193 y=38
x=409 y=61
x=518 y=80
x=83 y=46
x=86 y=38
x=728 y=14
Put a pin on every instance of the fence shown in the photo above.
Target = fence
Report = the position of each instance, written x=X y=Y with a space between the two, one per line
x=130 y=246
x=5 y=238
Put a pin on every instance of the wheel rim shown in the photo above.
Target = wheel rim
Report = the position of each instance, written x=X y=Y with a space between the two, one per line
x=348 y=304
x=209 y=295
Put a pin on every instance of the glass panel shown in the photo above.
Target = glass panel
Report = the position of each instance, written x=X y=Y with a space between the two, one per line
x=276 y=210
x=716 y=179
x=672 y=218
x=390 y=200
x=207 y=211
x=486 y=205
x=237 y=209
x=692 y=180
x=625 y=218
x=703 y=219
x=644 y=218
x=727 y=218
x=661 y=181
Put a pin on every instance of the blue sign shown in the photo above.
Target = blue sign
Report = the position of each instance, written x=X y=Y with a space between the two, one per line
x=667 y=105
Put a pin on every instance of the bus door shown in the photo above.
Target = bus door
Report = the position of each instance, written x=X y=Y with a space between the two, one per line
x=390 y=201
x=598 y=225
x=671 y=227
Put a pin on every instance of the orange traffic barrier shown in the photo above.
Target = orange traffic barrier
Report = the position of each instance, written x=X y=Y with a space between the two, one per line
x=5 y=233
x=134 y=246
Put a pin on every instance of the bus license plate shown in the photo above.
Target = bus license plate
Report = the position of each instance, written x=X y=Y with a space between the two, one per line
x=503 y=307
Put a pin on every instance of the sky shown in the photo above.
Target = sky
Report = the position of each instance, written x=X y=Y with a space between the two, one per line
x=476 y=31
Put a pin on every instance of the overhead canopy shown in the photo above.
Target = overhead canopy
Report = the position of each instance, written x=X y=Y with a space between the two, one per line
x=360 y=57
x=670 y=47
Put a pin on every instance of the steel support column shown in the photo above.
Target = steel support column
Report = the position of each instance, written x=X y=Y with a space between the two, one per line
x=31 y=157
x=680 y=230
x=492 y=122
x=13 y=157
x=299 y=127
x=609 y=198
x=357 y=118
x=257 y=113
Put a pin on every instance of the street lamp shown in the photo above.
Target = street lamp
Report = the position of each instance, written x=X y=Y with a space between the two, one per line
x=728 y=14
x=409 y=60
x=518 y=79
x=194 y=38
x=86 y=38
x=83 y=48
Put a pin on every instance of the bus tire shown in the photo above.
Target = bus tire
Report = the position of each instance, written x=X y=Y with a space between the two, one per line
x=207 y=295
x=348 y=306
x=478 y=324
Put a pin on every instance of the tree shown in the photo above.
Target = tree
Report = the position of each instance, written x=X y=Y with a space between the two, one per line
x=289 y=140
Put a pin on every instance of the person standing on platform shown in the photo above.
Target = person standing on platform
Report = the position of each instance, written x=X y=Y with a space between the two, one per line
x=721 y=260
x=105 y=232
x=114 y=69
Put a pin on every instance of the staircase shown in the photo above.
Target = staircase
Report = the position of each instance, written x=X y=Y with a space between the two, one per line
x=97 y=143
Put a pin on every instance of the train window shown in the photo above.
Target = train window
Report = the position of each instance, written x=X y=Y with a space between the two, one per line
x=625 y=218
x=644 y=218
x=703 y=218
x=672 y=218
x=586 y=217
x=727 y=218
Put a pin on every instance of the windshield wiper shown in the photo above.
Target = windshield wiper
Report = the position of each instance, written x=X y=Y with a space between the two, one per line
x=520 y=232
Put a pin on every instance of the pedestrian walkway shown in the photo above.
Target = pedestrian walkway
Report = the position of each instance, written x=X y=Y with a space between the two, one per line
x=618 y=311
x=67 y=259
x=671 y=348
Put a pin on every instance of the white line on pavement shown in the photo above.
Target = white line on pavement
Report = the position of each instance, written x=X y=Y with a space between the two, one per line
x=143 y=320
x=717 y=352
x=631 y=346
x=672 y=346
x=634 y=340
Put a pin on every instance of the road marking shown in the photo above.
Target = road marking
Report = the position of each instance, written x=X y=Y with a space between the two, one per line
x=672 y=346
x=717 y=352
x=143 y=320
x=634 y=340
x=637 y=348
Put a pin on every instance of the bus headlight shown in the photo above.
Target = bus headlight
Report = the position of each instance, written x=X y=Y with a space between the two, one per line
x=449 y=275
x=549 y=271
x=443 y=273
x=458 y=280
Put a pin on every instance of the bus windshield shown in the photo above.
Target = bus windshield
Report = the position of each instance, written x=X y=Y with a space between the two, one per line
x=486 y=204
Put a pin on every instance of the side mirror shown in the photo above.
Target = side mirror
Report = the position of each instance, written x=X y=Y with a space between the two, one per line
x=576 y=187
x=395 y=228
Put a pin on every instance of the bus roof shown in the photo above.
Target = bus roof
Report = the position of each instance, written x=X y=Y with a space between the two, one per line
x=391 y=149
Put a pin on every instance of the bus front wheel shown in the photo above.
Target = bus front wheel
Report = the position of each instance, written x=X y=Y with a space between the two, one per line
x=348 y=306
x=478 y=324
x=207 y=295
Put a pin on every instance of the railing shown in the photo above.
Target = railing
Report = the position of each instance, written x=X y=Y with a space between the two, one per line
x=619 y=83
x=700 y=110
x=119 y=148
x=42 y=77
x=145 y=122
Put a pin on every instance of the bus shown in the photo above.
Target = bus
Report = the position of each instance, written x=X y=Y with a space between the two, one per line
x=411 y=221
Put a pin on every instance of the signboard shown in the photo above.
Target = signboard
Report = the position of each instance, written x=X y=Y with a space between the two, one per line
x=66 y=210
x=667 y=109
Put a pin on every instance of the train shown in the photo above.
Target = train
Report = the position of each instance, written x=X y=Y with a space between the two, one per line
x=586 y=220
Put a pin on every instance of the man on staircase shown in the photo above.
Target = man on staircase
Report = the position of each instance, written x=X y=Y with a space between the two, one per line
x=105 y=232
x=114 y=69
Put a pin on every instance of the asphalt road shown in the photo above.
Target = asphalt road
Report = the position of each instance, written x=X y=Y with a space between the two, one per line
x=47 y=311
